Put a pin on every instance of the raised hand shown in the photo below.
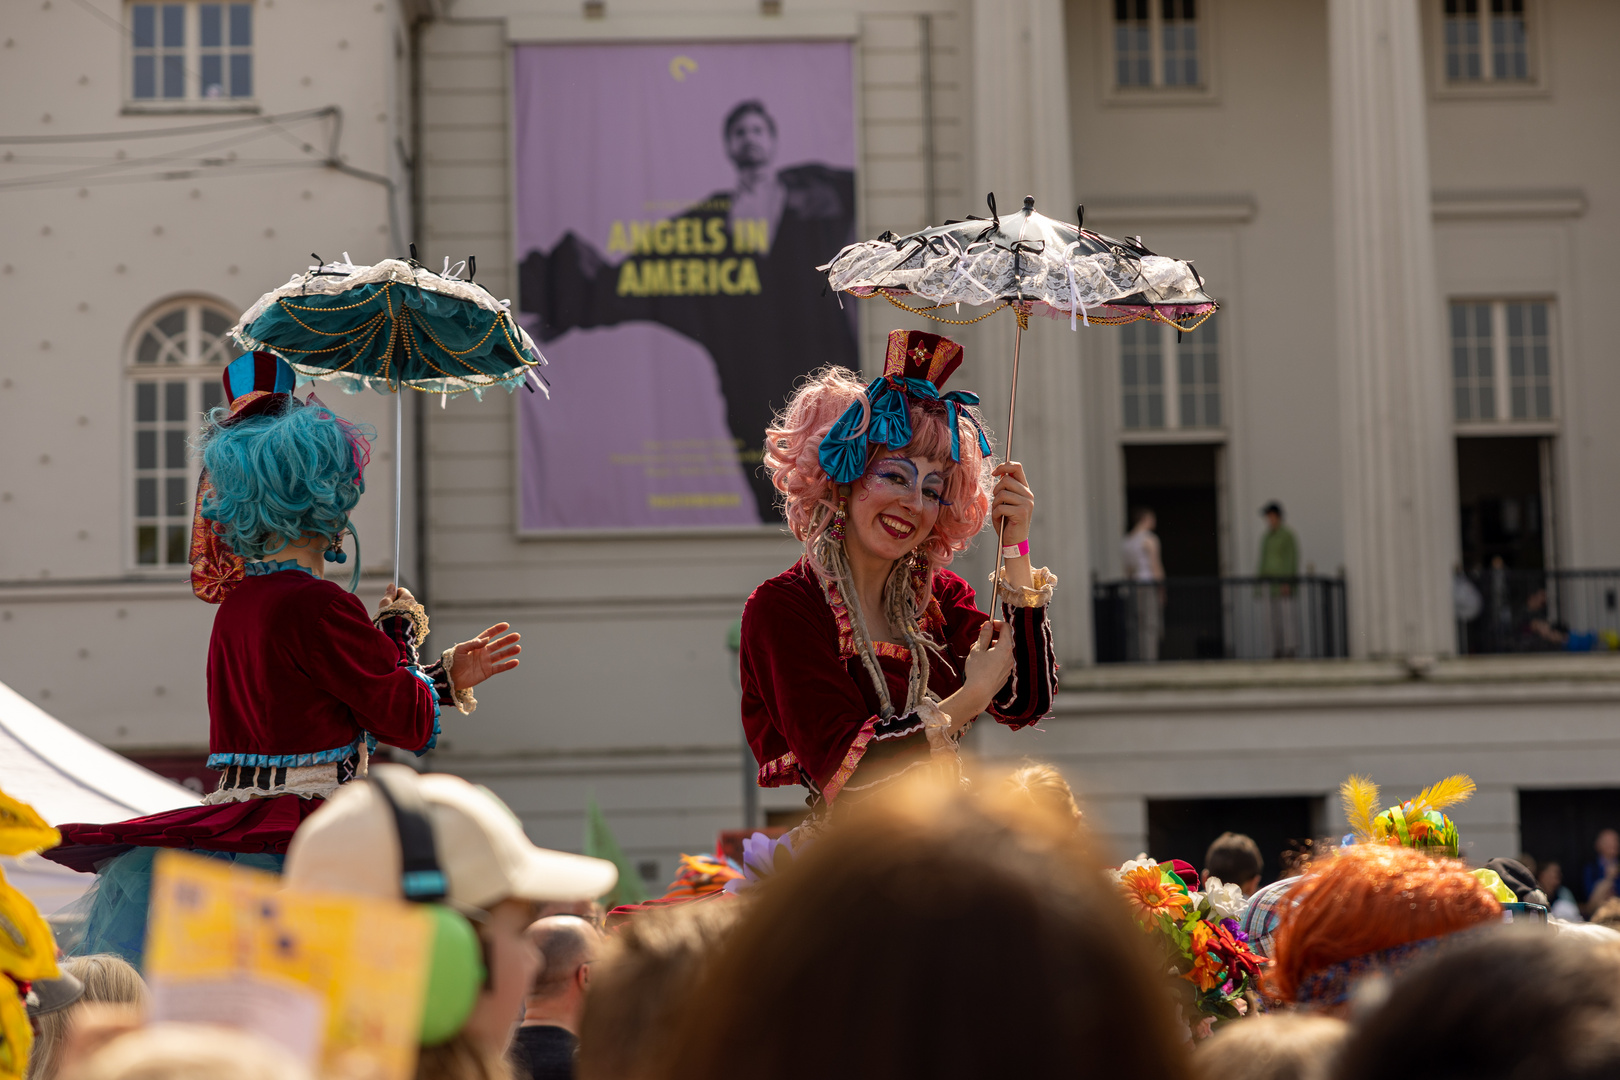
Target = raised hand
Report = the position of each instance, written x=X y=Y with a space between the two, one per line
x=1013 y=501
x=395 y=592
x=486 y=655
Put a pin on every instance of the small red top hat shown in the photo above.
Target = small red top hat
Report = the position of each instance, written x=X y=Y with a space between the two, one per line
x=917 y=354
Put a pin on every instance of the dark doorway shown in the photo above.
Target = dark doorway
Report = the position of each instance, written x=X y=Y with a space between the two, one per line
x=1179 y=483
x=1501 y=502
x=1560 y=826
x=1184 y=828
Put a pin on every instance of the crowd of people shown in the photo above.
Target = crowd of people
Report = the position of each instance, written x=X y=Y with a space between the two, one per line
x=965 y=926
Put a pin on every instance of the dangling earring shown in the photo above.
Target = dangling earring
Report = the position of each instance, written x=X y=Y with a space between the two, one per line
x=919 y=572
x=335 y=553
x=835 y=531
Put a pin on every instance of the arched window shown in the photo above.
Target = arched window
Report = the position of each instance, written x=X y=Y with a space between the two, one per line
x=177 y=354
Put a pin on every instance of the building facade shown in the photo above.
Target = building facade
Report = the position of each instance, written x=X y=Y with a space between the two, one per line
x=1399 y=203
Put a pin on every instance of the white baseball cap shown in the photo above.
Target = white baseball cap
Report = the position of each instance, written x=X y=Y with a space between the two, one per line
x=351 y=845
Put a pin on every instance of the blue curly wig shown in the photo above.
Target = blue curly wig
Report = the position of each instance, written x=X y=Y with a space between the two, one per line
x=280 y=477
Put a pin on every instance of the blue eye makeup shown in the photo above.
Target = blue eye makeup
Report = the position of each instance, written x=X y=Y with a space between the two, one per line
x=902 y=472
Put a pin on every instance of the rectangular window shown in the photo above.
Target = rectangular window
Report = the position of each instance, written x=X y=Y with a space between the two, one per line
x=1156 y=44
x=1166 y=383
x=1501 y=361
x=1180 y=35
x=1198 y=377
x=1486 y=41
x=1510 y=54
x=1473 y=385
x=164 y=484
x=1142 y=375
x=1133 y=52
x=190 y=52
x=1529 y=366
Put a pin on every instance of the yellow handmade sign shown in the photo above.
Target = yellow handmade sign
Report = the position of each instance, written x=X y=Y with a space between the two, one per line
x=340 y=980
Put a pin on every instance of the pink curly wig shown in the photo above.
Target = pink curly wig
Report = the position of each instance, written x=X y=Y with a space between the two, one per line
x=793 y=456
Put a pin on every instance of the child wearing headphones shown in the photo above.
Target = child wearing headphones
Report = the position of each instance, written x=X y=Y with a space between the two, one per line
x=437 y=840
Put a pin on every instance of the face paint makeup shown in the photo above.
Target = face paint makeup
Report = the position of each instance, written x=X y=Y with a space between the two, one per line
x=896 y=506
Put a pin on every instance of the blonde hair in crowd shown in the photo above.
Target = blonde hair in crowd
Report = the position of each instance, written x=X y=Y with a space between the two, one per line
x=1045 y=787
x=106 y=978
x=190 y=1052
x=460 y=1059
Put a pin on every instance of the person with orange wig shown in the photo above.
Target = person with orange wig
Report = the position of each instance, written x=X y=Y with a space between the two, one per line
x=1370 y=909
x=868 y=657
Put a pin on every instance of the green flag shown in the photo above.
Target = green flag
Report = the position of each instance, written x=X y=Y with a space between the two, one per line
x=600 y=844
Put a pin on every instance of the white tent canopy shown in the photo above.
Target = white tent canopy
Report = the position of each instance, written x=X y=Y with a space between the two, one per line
x=67 y=777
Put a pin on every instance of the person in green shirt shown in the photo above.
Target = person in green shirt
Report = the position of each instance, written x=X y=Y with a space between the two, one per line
x=1279 y=559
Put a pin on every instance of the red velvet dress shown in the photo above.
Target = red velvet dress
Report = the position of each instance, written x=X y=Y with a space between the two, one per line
x=299 y=681
x=809 y=709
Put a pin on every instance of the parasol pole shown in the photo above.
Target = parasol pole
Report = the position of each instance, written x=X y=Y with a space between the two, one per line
x=1012 y=411
x=399 y=470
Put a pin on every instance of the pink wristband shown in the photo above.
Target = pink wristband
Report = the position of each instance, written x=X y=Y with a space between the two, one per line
x=1014 y=551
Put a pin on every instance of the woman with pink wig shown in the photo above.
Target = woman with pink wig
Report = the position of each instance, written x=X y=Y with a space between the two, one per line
x=868 y=657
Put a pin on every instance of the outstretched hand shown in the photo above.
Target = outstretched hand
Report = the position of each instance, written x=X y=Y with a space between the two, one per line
x=486 y=655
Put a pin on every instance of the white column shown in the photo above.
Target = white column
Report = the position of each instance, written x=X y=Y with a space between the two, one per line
x=1399 y=477
x=1021 y=147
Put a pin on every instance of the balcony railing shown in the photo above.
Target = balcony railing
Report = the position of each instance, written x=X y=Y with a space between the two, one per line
x=1219 y=619
x=1523 y=611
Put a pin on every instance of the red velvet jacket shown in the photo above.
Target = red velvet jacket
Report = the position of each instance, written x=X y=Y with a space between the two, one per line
x=808 y=705
x=297 y=675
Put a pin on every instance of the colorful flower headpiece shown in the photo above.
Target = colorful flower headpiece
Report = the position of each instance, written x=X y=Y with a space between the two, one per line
x=1416 y=823
x=915 y=367
x=1198 y=936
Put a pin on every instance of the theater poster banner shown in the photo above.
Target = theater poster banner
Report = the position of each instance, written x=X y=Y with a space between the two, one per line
x=672 y=203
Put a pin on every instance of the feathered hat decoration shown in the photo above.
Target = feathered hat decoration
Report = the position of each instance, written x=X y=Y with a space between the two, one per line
x=1416 y=823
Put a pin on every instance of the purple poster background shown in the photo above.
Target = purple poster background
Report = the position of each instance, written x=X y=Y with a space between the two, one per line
x=610 y=139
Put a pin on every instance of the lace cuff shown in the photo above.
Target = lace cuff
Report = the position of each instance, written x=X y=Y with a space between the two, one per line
x=1039 y=594
x=937 y=726
x=465 y=702
x=405 y=609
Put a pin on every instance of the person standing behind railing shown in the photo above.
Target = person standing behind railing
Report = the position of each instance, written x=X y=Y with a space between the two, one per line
x=1145 y=569
x=1279 y=558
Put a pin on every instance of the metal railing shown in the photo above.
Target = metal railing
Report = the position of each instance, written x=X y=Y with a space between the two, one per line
x=1524 y=611
x=1219 y=619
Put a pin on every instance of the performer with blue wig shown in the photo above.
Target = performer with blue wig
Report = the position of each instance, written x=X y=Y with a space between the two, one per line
x=302 y=681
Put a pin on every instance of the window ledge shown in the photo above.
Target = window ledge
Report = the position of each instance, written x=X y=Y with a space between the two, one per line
x=1507 y=427
x=1491 y=91
x=170 y=108
x=1162 y=436
x=1508 y=204
x=1161 y=95
x=1219 y=209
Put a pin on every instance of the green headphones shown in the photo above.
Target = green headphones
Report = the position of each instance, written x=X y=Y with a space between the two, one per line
x=457 y=970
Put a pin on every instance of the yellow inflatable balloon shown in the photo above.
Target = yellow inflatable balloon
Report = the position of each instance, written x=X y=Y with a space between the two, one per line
x=27 y=949
x=22 y=830
x=16 y=1038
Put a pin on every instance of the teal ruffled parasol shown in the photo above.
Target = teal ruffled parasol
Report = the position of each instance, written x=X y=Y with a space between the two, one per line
x=392 y=325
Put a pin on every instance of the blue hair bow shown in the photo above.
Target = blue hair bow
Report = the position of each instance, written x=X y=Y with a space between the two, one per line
x=843 y=450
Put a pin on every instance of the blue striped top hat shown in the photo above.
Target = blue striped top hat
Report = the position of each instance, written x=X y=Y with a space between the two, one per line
x=256 y=382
